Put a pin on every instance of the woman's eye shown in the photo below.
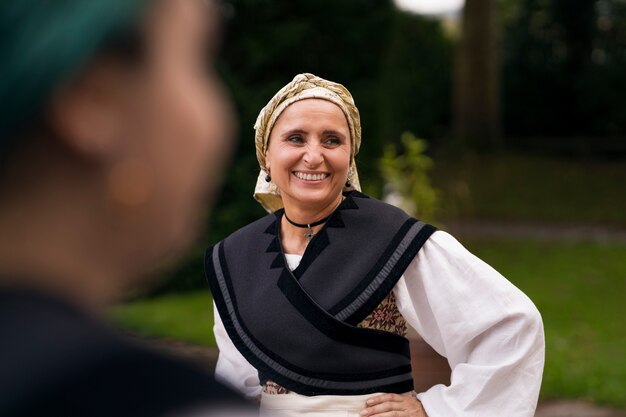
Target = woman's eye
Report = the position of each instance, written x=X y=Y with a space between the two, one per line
x=333 y=141
x=295 y=139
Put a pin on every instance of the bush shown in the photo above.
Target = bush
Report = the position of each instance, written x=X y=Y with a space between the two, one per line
x=406 y=176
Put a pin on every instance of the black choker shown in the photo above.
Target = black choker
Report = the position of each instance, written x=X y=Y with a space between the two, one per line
x=309 y=226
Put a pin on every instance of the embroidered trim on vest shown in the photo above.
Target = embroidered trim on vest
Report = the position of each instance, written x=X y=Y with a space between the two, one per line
x=386 y=317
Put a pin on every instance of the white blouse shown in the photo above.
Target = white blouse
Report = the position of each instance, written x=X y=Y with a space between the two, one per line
x=490 y=332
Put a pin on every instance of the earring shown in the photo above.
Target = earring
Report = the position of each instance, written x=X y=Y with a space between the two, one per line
x=268 y=178
x=348 y=183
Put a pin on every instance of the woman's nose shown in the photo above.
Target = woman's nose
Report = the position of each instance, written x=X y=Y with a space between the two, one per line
x=313 y=156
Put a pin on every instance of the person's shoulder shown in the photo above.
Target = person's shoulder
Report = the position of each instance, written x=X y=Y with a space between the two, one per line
x=130 y=380
x=153 y=383
x=57 y=360
x=443 y=241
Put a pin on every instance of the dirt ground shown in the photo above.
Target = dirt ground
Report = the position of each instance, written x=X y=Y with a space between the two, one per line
x=575 y=408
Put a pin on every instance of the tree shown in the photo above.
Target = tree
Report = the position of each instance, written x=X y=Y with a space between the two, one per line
x=563 y=71
x=477 y=101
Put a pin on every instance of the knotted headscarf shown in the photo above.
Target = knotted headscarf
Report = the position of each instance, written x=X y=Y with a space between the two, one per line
x=303 y=86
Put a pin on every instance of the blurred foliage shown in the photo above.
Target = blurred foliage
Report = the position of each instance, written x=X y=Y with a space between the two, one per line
x=396 y=65
x=564 y=66
x=406 y=174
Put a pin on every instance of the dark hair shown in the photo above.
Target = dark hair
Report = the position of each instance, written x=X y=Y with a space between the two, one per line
x=128 y=45
x=43 y=43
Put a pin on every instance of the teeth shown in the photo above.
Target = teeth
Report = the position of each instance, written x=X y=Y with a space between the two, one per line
x=310 y=177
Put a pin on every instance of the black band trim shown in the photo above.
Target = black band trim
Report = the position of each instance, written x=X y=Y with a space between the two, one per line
x=335 y=329
x=358 y=290
x=381 y=279
x=220 y=302
x=276 y=369
x=320 y=241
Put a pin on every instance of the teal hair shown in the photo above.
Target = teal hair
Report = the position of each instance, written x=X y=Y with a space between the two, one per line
x=43 y=43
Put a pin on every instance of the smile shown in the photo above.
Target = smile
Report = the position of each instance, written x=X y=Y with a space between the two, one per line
x=311 y=177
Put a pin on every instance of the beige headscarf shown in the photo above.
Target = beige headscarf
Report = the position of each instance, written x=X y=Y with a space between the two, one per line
x=303 y=86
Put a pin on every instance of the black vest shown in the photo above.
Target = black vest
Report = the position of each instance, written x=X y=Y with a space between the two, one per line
x=299 y=329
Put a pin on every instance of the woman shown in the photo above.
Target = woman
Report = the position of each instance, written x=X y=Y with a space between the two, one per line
x=313 y=300
x=112 y=137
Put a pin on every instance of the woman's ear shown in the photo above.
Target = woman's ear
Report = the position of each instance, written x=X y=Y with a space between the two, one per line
x=85 y=115
x=267 y=162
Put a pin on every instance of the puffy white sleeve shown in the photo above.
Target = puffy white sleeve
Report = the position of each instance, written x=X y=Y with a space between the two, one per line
x=490 y=332
x=232 y=368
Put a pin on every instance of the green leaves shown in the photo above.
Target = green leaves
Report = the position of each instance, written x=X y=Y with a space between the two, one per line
x=406 y=174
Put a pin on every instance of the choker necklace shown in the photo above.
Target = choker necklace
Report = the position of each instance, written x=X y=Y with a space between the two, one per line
x=309 y=226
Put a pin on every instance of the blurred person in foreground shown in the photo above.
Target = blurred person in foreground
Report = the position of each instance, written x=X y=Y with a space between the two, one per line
x=313 y=301
x=113 y=137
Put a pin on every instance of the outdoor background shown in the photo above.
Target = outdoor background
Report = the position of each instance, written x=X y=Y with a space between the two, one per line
x=504 y=123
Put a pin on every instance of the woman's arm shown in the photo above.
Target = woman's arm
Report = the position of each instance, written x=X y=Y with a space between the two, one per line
x=232 y=368
x=490 y=332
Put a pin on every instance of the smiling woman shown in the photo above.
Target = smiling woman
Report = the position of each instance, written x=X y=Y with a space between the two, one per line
x=314 y=322
x=286 y=118
x=308 y=158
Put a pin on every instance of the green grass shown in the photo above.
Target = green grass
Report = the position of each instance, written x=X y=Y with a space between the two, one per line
x=580 y=289
x=532 y=188
x=187 y=317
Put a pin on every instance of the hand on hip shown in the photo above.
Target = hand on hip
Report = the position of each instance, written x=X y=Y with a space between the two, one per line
x=394 y=405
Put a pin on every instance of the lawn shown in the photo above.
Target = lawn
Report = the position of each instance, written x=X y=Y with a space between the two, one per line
x=578 y=287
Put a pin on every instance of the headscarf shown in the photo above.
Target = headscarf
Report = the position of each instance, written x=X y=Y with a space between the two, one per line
x=43 y=43
x=303 y=86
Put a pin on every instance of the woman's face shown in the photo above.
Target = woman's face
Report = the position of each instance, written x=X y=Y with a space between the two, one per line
x=177 y=128
x=309 y=153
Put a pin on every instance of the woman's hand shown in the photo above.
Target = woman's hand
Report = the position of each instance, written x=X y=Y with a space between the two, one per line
x=394 y=405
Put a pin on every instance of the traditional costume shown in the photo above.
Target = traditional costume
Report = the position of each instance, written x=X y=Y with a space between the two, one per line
x=318 y=334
